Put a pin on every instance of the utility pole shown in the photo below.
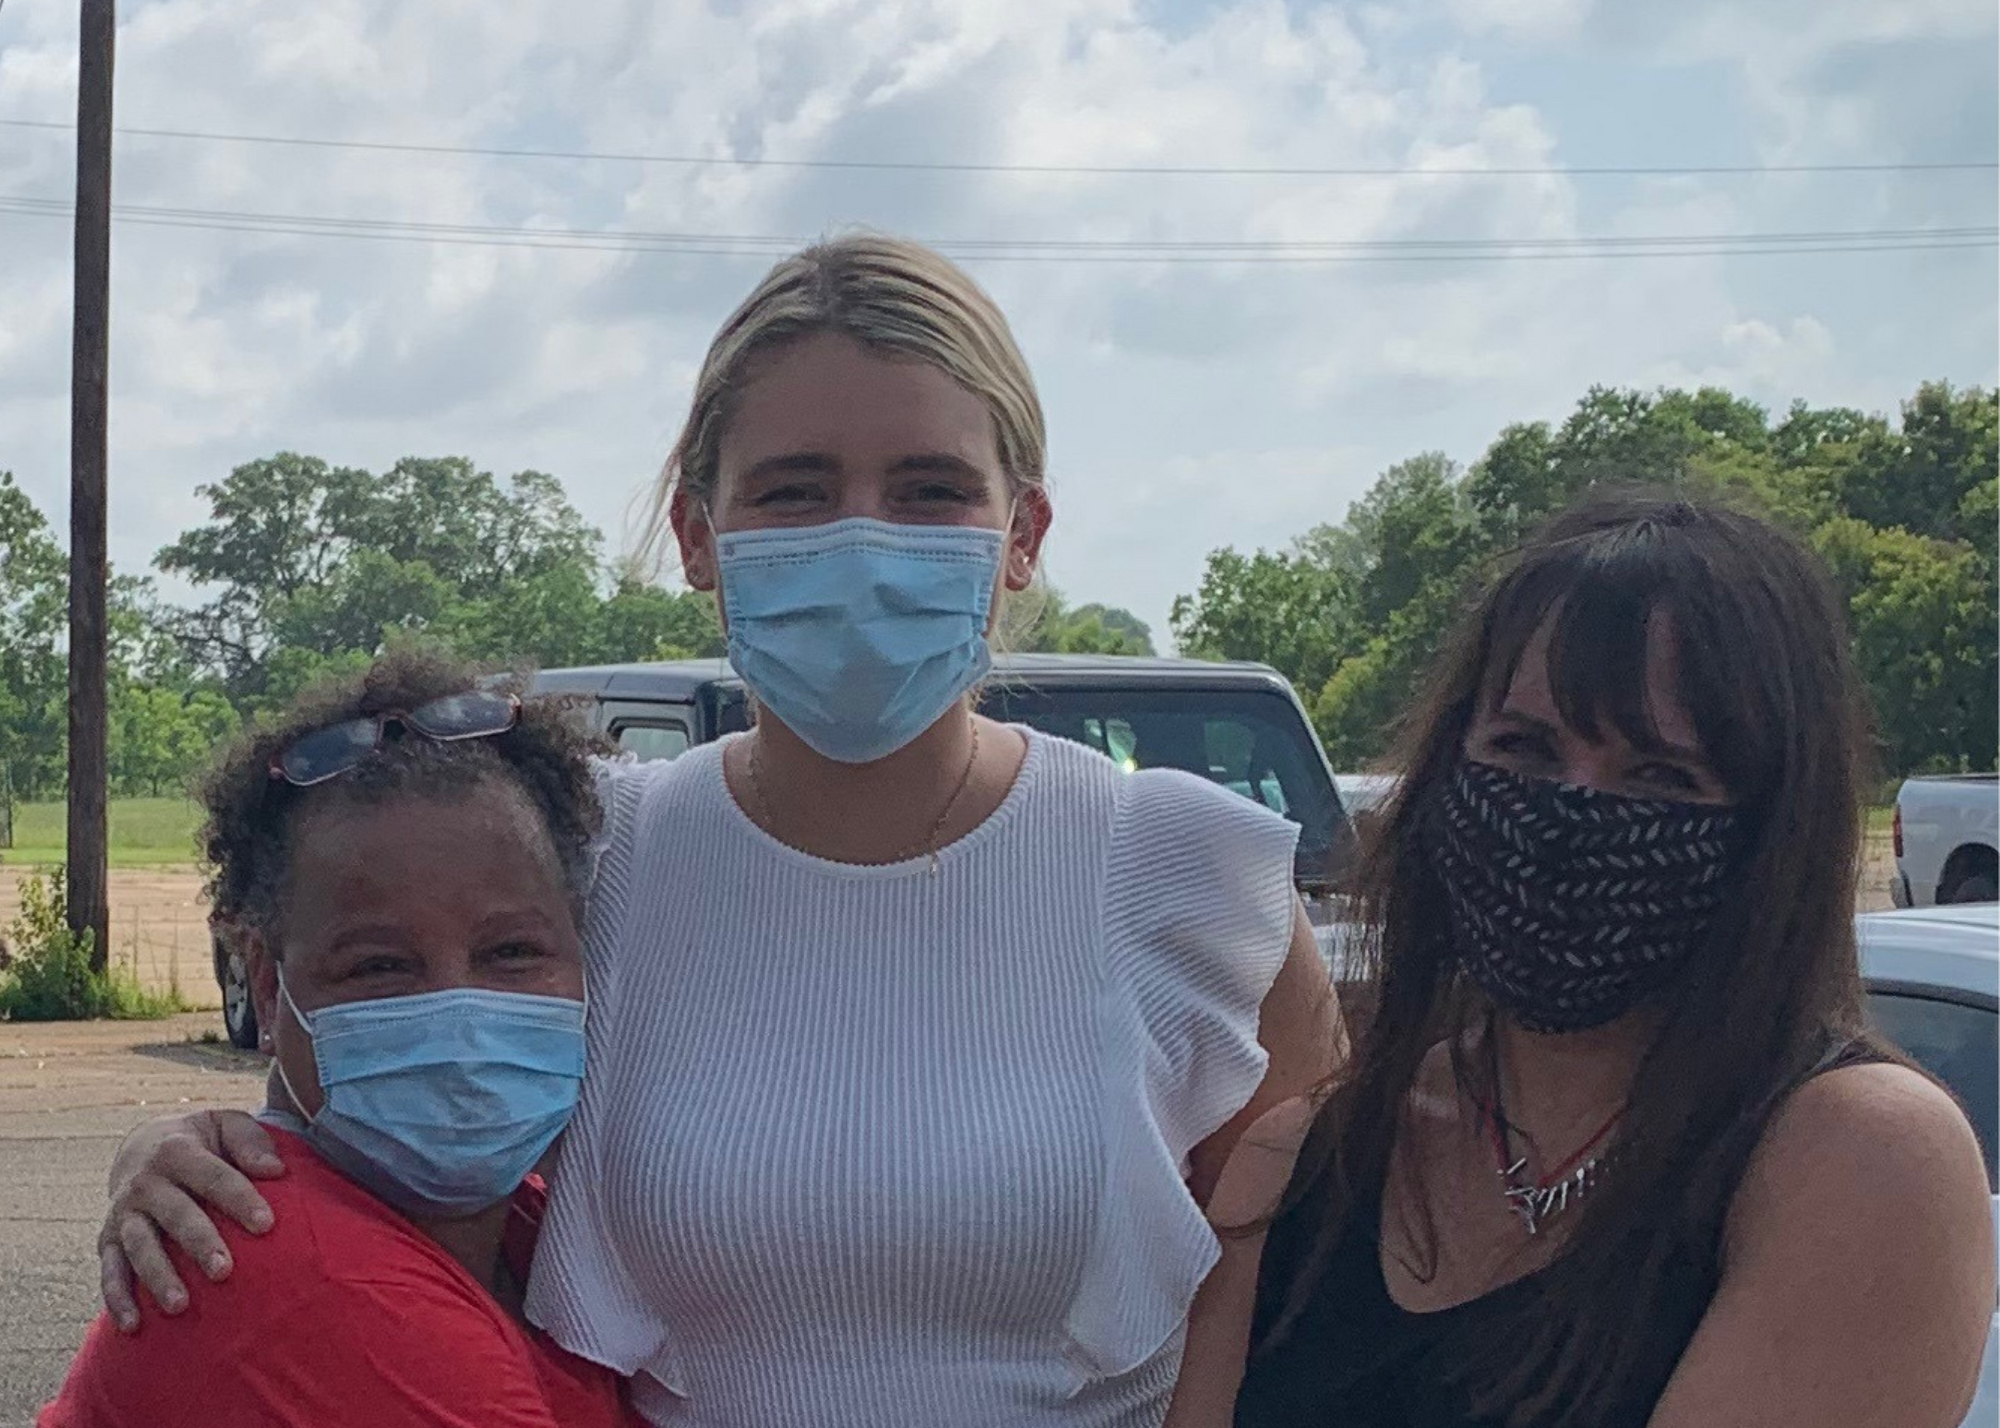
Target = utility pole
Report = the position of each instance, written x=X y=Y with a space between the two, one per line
x=89 y=560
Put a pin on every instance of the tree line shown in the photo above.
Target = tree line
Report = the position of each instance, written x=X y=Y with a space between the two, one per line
x=311 y=569
x=308 y=568
x=1906 y=514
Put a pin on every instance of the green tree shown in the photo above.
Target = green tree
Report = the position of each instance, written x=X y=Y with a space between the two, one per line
x=552 y=618
x=1086 y=629
x=1918 y=478
x=290 y=672
x=1927 y=640
x=1287 y=609
x=304 y=555
x=34 y=605
x=370 y=595
x=477 y=536
x=1908 y=517
x=641 y=621
x=271 y=537
x=161 y=737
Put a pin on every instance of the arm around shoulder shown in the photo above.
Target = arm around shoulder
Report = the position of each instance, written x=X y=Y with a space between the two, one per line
x=1858 y=1283
x=412 y=1351
x=1300 y=1029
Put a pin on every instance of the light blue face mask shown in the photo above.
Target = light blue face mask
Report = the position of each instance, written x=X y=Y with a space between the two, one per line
x=859 y=635
x=442 y=1103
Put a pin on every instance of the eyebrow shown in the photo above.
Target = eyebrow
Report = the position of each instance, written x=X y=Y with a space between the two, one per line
x=373 y=936
x=823 y=463
x=941 y=463
x=794 y=463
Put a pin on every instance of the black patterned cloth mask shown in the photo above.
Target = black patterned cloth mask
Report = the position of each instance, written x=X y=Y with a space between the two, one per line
x=1570 y=907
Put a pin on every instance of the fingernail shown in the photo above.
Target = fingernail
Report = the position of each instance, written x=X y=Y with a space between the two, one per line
x=260 y=1220
x=216 y=1264
x=174 y=1302
x=127 y=1323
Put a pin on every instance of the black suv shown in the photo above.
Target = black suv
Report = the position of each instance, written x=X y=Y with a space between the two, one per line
x=1238 y=724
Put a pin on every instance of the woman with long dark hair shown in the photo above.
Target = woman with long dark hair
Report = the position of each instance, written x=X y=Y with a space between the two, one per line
x=1616 y=1148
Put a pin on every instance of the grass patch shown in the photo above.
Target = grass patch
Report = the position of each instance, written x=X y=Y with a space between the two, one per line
x=145 y=832
x=1881 y=822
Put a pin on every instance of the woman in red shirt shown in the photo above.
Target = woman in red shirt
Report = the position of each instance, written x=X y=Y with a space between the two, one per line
x=405 y=859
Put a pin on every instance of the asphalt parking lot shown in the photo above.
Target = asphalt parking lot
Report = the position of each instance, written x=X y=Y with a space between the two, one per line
x=68 y=1093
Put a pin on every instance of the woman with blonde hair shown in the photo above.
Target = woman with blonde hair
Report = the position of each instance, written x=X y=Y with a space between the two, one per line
x=917 y=1041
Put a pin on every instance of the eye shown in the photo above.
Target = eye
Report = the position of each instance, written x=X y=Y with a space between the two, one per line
x=382 y=965
x=933 y=492
x=793 y=495
x=1520 y=744
x=518 y=952
x=1669 y=777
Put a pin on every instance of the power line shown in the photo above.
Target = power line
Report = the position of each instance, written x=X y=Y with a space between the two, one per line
x=1172 y=252
x=417 y=228
x=1090 y=170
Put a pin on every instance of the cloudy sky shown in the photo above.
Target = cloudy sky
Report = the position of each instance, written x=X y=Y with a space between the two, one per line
x=1191 y=403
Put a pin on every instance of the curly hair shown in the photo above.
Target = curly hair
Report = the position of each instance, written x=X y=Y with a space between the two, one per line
x=252 y=818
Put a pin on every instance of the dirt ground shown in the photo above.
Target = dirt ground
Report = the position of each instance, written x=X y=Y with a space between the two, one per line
x=159 y=922
x=68 y=1094
x=159 y=927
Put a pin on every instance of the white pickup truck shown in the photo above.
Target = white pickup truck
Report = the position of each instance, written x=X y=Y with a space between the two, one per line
x=1947 y=840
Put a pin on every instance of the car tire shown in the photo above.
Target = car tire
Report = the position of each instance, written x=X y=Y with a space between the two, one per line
x=239 y=1011
x=1980 y=886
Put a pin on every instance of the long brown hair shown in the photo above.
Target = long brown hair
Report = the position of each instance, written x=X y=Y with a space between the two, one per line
x=1766 y=677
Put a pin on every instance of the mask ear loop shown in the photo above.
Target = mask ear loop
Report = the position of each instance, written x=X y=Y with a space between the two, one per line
x=305 y=1022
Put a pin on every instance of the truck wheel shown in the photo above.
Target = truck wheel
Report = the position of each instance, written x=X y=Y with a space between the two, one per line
x=1974 y=884
x=239 y=1012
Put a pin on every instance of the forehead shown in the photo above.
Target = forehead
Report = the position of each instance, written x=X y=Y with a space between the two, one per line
x=420 y=857
x=1544 y=666
x=829 y=394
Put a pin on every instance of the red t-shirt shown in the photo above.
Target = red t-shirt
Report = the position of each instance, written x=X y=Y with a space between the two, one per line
x=343 y=1313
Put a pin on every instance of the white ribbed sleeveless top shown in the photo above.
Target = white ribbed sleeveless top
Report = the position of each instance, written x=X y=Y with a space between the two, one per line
x=888 y=1148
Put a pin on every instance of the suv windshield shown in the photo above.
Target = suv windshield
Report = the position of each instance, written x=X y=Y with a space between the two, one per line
x=1252 y=742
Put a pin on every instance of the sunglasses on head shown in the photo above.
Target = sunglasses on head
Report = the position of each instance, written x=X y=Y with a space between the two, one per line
x=340 y=748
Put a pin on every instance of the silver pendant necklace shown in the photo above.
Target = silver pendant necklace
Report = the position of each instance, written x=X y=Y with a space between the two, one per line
x=1535 y=1200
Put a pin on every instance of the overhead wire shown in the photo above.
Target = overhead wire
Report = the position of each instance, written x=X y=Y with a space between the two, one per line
x=1125 y=251
x=1082 y=170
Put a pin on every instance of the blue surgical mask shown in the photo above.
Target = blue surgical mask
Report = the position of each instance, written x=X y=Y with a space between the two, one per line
x=442 y=1103
x=859 y=635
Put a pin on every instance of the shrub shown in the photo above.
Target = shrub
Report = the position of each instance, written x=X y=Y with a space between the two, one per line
x=48 y=976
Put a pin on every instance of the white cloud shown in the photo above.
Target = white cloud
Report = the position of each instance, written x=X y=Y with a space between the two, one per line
x=1521 y=19
x=1190 y=405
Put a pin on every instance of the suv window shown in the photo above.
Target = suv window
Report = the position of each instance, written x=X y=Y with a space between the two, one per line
x=651 y=741
x=1958 y=1044
x=1250 y=741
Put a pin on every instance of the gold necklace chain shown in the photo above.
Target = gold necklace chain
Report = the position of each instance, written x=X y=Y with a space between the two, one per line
x=910 y=852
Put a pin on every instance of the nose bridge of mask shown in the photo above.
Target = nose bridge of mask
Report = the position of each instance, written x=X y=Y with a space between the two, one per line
x=377 y=1036
x=920 y=569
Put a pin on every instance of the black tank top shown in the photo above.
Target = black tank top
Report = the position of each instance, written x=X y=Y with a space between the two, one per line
x=1355 y=1359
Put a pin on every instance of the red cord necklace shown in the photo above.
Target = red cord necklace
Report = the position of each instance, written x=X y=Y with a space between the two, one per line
x=1537 y=1200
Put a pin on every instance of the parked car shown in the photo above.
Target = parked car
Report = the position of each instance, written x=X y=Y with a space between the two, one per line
x=1933 y=981
x=1364 y=793
x=1364 y=796
x=1947 y=835
x=1240 y=725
